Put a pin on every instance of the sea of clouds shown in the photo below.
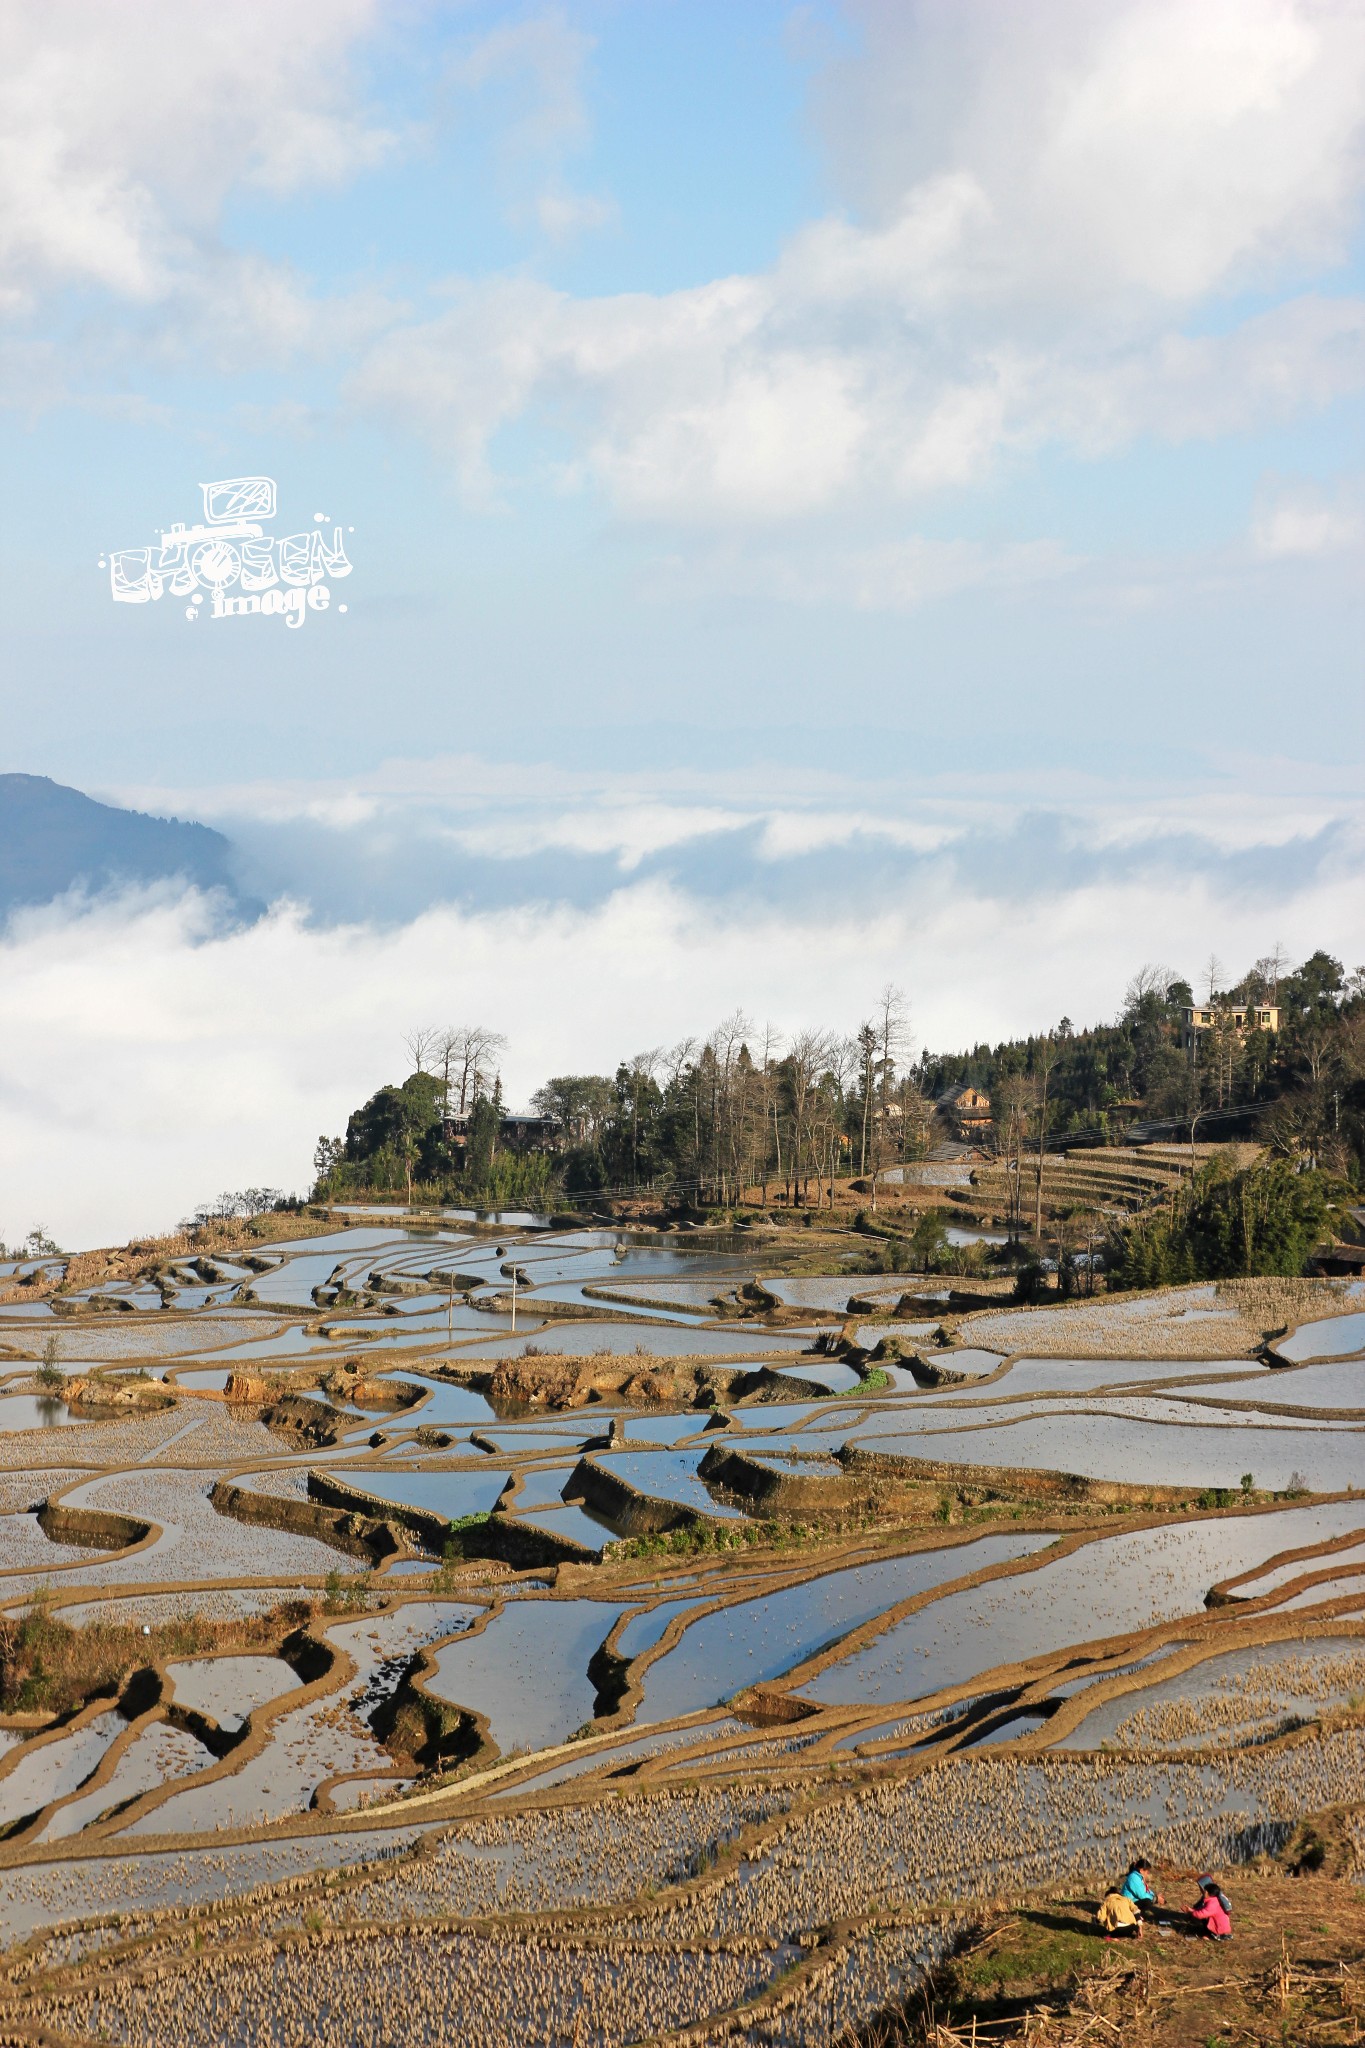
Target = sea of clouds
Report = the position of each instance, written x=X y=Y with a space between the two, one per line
x=161 y=1047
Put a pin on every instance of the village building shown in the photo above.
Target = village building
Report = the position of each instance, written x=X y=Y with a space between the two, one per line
x=1238 y=1017
x=968 y=1110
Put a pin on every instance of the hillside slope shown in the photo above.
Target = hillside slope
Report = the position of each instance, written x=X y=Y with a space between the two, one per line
x=53 y=838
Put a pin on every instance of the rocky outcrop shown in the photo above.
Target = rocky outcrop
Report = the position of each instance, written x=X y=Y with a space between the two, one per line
x=305 y=1420
x=396 y=1283
x=764 y=1384
x=560 y=1380
x=246 y=1386
x=116 y=1396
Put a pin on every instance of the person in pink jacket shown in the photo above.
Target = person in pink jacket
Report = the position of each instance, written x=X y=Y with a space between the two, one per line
x=1211 y=1911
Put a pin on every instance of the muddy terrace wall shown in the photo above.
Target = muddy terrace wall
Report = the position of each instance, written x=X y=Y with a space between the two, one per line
x=633 y=1512
x=90 y=1528
x=1005 y=1480
x=356 y=1533
x=496 y=1536
x=785 y=1491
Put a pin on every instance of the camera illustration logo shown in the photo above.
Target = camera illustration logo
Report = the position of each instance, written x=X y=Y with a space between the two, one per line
x=229 y=559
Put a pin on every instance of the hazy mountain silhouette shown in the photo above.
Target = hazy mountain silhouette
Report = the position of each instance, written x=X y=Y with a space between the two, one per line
x=53 y=839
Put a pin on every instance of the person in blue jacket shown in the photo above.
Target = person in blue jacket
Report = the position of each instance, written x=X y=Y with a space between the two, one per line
x=1136 y=1887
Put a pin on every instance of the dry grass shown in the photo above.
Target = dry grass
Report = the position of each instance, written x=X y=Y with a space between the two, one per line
x=49 y=1667
x=1293 y=1974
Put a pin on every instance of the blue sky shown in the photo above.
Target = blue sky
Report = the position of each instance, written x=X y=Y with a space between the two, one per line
x=850 y=464
x=972 y=481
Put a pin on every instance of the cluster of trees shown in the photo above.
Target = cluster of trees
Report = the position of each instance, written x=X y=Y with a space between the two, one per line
x=1305 y=1082
x=246 y=1202
x=701 y=1122
x=742 y=1109
x=37 y=1245
x=707 y=1122
x=439 y=1133
x=1262 y=1219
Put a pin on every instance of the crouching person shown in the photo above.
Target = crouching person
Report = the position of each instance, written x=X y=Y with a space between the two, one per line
x=1212 y=1911
x=1118 y=1917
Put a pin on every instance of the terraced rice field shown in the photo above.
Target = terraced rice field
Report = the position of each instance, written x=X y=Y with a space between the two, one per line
x=577 y=1695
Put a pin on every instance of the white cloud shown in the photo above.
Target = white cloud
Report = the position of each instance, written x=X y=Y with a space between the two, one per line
x=1044 y=195
x=1164 y=148
x=149 y=1065
x=125 y=127
x=546 y=50
x=1301 y=519
x=562 y=214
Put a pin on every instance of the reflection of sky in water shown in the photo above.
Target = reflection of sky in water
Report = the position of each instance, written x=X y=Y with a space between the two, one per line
x=159 y=1754
x=1103 y=1589
x=443 y=1493
x=57 y=1768
x=230 y=1687
x=572 y=1291
x=527 y=1671
x=760 y=1639
x=1119 y=1447
x=1081 y=1375
x=574 y=1523
x=1334 y=1337
x=447 y=1403
x=544 y=1488
x=1340 y=1384
x=1348 y=1560
x=829 y=1372
x=667 y=1475
x=35 y=1411
x=660 y=1339
x=977 y=1363
x=663 y=1429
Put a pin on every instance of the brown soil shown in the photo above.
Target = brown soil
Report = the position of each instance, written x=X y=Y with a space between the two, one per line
x=1294 y=1972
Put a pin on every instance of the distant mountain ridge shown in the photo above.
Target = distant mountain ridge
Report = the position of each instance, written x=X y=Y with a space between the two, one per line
x=53 y=839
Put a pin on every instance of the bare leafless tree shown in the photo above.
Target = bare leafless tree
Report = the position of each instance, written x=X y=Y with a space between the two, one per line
x=1273 y=967
x=893 y=1039
x=807 y=1060
x=1152 y=979
x=772 y=1044
x=1009 y=1116
x=1213 y=973
x=423 y=1044
x=468 y=1054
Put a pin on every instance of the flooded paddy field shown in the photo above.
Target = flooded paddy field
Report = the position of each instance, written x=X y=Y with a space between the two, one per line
x=366 y=1656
